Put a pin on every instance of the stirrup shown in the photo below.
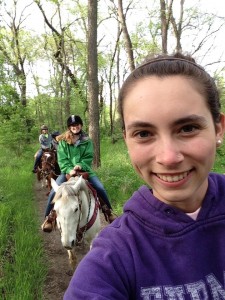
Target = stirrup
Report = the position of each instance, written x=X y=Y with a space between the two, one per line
x=50 y=222
x=110 y=216
x=47 y=226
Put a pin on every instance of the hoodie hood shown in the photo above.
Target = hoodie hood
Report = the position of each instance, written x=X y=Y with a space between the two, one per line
x=162 y=218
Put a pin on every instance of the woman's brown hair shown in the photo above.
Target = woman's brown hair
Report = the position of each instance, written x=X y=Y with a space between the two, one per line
x=170 y=65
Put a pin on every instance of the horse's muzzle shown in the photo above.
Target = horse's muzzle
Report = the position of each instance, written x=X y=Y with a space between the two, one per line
x=67 y=247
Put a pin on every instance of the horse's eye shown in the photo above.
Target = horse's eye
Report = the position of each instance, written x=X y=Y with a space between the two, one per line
x=76 y=210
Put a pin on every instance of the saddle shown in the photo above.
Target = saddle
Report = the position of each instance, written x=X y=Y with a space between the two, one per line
x=108 y=214
x=84 y=174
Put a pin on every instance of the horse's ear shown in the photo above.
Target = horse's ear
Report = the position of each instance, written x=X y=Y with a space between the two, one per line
x=78 y=184
x=80 y=179
x=54 y=185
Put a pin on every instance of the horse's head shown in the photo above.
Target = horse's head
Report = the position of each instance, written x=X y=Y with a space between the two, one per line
x=67 y=204
x=49 y=157
x=48 y=162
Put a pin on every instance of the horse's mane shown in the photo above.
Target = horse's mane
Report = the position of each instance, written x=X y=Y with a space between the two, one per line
x=68 y=188
x=61 y=191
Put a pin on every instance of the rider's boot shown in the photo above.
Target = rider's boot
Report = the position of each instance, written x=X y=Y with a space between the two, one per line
x=50 y=222
x=110 y=216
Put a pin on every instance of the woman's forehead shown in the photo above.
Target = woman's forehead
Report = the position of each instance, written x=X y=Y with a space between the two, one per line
x=169 y=97
x=165 y=91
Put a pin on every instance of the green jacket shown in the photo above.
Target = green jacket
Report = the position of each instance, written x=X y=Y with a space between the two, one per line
x=70 y=155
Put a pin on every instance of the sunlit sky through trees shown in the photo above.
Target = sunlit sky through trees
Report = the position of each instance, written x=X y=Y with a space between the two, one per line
x=34 y=22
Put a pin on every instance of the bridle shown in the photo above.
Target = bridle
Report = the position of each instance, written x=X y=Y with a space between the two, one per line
x=89 y=222
x=46 y=171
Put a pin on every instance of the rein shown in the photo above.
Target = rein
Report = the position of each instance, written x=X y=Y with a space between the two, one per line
x=82 y=230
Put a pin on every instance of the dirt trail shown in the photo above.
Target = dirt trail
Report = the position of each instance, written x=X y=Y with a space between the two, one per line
x=57 y=259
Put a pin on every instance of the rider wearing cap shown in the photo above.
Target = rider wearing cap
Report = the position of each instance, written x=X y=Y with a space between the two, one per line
x=45 y=142
x=75 y=152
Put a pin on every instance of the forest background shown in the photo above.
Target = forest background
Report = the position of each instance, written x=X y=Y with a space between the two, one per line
x=70 y=57
x=63 y=57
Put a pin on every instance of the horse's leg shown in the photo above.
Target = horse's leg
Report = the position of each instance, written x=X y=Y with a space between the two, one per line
x=72 y=261
x=49 y=184
x=43 y=181
x=38 y=174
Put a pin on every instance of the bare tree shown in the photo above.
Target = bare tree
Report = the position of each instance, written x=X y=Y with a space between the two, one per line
x=61 y=55
x=14 y=52
x=165 y=15
x=128 y=43
x=177 y=26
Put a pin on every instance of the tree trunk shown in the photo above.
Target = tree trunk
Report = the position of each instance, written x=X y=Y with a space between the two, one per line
x=93 y=106
x=128 y=43
x=165 y=15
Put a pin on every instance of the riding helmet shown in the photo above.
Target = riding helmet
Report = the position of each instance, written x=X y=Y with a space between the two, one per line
x=73 y=119
x=55 y=133
x=44 y=127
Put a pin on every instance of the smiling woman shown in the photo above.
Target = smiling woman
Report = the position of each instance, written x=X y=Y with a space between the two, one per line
x=172 y=124
x=173 y=153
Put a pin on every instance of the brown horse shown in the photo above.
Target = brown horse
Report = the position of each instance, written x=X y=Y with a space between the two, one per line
x=47 y=169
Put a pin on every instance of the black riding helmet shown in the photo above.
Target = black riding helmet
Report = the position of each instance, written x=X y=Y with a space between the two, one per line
x=73 y=119
x=55 y=134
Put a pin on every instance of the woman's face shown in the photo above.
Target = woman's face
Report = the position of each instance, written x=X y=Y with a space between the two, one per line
x=75 y=128
x=171 y=138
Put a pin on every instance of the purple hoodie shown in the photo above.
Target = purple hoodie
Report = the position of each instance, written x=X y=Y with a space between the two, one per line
x=155 y=251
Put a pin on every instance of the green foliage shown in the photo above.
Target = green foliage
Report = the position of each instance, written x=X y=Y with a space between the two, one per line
x=140 y=41
x=22 y=266
x=14 y=130
x=9 y=100
x=117 y=174
x=219 y=165
x=221 y=85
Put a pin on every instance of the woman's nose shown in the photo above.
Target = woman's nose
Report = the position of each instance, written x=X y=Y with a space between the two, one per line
x=169 y=153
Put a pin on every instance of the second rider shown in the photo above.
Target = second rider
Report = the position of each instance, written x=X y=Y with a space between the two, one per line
x=75 y=152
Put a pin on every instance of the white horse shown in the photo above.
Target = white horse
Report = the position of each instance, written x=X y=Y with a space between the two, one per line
x=77 y=212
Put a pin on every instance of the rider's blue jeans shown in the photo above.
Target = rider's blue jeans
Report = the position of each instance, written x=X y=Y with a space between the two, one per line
x=95 y=182
x=38 y=158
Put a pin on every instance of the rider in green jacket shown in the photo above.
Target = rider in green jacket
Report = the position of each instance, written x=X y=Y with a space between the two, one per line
x=75 y=153
x=80 y=154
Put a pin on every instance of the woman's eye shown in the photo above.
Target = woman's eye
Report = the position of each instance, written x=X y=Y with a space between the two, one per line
x=143 y=134
x=189 y=128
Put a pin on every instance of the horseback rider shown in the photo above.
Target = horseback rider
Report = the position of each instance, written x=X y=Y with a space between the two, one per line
x=75 y=152
x=45 y=141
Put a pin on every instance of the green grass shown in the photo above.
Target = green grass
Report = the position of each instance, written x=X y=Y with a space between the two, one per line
x=22 y=261
x=22 y=270
x=117 y=174
x=219 y=165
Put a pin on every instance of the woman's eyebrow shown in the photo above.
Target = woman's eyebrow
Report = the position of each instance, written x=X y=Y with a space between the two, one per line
x=190 y=118
x=138 y=124
x=180 y=121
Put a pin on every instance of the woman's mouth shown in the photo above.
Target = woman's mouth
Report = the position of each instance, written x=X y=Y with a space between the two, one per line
x=172 y=178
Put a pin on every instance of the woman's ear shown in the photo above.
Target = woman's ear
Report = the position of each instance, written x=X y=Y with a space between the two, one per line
x=220 y=128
